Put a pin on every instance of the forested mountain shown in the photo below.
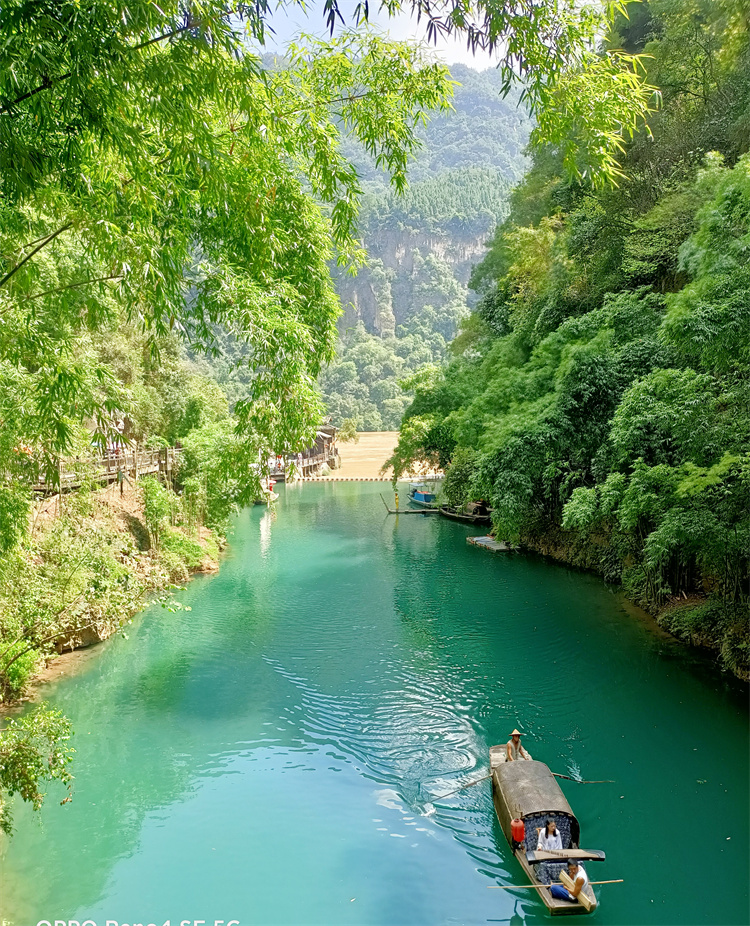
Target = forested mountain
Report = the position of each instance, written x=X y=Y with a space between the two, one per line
x=402 y=309
x=599 y=394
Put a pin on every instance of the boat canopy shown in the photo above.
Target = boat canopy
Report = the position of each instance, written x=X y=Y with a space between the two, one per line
x=529 y=787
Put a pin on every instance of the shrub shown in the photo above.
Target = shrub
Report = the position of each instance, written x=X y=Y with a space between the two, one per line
x=189 y=551
x=348 y=431
x=18 y=663
x=159 y=505
x=173 y=566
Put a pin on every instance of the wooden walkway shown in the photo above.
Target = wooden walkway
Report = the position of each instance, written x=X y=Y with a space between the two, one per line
x=72 y=474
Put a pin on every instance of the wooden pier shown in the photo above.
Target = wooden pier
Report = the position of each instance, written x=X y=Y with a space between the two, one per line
x=489 y=543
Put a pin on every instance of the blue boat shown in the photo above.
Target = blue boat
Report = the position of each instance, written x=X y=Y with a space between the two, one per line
x=421 y=495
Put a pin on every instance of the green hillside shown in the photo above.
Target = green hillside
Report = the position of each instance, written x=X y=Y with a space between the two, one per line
x=599 y=394
x=402 y=310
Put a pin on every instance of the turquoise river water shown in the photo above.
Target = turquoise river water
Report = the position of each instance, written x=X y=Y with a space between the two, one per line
x=273 y=755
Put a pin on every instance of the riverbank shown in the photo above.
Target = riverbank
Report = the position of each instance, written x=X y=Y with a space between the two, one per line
x=697 y=620
x=88 y=566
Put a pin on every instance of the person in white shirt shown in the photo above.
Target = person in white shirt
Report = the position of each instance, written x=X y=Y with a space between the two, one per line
x=579 y=878
x=549 y=839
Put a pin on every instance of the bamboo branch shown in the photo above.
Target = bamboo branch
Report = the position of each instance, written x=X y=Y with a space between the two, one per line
x=36 y=250
x=49 y=82
x=61 y=289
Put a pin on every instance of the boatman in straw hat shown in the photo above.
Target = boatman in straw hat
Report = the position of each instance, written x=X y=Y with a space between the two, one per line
x=514 y=749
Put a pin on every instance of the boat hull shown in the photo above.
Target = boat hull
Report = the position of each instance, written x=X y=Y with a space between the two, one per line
x=465 y=518
x=421 y=504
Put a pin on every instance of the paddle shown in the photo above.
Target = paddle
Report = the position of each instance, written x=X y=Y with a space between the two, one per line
x=581 y=781
x=513 y=887
x=441 y=796
x=584 y=781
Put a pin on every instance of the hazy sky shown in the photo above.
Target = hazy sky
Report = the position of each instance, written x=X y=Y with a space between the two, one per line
x=288 y=24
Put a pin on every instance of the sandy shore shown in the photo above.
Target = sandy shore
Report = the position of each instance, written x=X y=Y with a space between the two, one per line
x=364 y=459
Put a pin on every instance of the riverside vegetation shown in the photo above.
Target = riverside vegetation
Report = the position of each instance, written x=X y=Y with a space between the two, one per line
x=599 y=394
x=160 y=187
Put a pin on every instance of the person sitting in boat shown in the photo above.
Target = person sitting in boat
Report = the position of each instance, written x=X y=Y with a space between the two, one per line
x=514 y=749
x=578 y=876
x=549 y=839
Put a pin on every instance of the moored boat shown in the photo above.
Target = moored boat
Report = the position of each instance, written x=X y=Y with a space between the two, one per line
x=528 y=792
x=473 y=513
x=421 y=495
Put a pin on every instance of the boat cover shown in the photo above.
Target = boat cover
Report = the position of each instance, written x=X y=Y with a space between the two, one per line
x=529 y=788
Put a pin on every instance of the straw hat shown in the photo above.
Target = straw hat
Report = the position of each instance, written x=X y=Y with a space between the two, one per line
x=516 y=733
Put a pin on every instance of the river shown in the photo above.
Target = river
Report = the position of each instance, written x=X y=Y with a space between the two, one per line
x=272 y=755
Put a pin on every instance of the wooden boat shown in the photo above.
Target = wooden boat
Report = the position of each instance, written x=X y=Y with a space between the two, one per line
x=420 y=495
x=527 y=790
x=473 y=513
x=267 y=494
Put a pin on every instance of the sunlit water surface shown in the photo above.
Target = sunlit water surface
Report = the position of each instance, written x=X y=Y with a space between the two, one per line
x=273 y=755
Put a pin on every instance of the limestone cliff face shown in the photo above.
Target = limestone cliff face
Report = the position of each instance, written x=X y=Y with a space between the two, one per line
x=386 y=292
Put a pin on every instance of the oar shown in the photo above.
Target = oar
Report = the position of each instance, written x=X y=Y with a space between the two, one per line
x=584 y=781
x=513 y=887
x=441 y=796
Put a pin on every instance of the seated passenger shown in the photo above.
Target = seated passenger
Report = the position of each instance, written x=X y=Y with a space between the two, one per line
x=514 y=749
x=549 y=839
x=579 y=878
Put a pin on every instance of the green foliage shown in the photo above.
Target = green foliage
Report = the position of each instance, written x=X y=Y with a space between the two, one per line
x=14 y=515
x=18 y=663
x=604 y=387
x=483 y=135
x=584 y=98
x=213 y=473
x=158 y=508
x=462 y=203
x=410 y=454
x=458 y=483
x=33 y=750
x=189 y=551
x=348 y=431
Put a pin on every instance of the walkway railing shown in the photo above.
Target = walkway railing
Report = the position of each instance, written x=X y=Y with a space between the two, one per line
x=72 y=473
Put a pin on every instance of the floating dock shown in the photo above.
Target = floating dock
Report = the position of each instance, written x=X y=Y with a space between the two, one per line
x=489 y=543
